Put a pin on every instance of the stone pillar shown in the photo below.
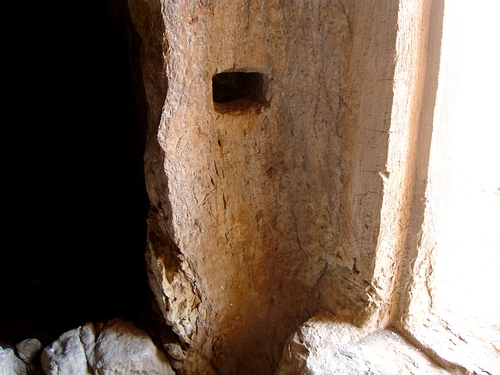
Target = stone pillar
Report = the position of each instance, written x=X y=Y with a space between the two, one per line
x=265 y=204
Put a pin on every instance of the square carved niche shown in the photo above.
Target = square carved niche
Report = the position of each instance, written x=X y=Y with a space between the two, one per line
x=239 y=91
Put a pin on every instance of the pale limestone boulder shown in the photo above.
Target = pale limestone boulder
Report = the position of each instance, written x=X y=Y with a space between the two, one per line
x=10 y=364
x=28 y=349
x=325 y=347
x=122 y=348
x=67 y=355
x=115 y=348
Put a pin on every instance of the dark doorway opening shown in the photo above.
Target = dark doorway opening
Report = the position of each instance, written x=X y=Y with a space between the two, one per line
x=73 y=249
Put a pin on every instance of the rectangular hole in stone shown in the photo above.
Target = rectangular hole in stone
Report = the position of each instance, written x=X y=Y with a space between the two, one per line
x=236 y=91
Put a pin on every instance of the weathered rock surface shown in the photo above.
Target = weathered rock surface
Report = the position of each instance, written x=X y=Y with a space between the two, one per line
x=325 y=347
x=28 y=349
x=67 y=355
x=116 y=347
x=246 y=196
x=10 y=364
x=268 y=206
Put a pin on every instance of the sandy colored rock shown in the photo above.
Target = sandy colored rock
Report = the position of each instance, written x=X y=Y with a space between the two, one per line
x=260 y=204
x=305 y=194
x=249 y=202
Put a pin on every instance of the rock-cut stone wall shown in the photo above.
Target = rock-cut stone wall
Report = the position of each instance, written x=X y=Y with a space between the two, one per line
x=262 y=207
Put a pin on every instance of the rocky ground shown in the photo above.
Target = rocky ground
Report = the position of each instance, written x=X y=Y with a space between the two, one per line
x=321 y=347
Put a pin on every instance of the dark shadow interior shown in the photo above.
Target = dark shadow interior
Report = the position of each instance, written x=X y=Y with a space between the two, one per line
x=241 y=88
x=75 y=211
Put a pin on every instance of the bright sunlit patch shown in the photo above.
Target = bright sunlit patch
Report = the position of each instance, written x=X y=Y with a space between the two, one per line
x=467 y=270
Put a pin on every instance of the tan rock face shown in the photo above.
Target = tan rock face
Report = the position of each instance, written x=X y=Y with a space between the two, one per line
x=246 y=176
x=254 y=191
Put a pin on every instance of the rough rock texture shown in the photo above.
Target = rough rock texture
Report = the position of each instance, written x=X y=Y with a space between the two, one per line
x=301 y=197
x=29 y=351
x=67 y=355
x=254 y=193
x=10 y=364
x=325 y=347
x=461 y=344
x=263 y=212
x=116 y=347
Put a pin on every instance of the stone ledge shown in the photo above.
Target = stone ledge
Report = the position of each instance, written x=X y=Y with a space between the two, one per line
x=323 y=346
